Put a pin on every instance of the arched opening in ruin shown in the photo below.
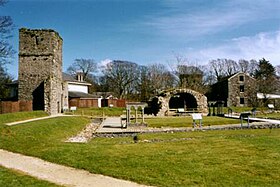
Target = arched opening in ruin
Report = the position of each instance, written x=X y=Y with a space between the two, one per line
x=183 y=100
x=189 y=100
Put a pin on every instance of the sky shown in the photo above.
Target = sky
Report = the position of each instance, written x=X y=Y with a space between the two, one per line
x=153 y=31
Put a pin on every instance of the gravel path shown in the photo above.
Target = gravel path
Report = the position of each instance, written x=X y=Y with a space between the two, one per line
x=58 y=174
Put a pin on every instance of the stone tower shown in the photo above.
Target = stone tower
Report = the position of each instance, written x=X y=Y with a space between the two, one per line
x=40 y=69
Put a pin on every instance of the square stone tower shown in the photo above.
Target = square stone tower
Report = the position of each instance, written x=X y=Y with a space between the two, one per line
x=40 y=69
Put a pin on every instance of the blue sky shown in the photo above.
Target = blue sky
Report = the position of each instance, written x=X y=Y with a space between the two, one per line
x=154 y=31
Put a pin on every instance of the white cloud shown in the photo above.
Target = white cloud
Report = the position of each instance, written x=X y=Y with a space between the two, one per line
x=188 y=19
x=105 y=62
x=263 y=45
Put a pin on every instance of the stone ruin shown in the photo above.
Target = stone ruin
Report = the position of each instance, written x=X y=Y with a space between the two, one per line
x=165 y=97
x=40 y=70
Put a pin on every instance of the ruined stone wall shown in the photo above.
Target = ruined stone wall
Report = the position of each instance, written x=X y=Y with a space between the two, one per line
x=201 y=100
x=40 y=66
x=235 y=94
x=65 y=103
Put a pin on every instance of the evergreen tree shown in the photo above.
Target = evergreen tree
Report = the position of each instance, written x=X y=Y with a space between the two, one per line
x=266 y=77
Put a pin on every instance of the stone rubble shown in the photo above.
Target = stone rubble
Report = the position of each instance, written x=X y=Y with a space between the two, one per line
x=86 y=134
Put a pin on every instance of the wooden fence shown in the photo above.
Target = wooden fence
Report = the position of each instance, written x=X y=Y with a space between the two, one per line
x=15 y=106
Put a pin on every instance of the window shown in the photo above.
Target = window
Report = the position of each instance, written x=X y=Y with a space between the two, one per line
x=241 y=78
x=241 y=88
x=242 y=101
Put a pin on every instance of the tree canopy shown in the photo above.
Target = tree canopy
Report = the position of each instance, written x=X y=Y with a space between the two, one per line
x=266 y=77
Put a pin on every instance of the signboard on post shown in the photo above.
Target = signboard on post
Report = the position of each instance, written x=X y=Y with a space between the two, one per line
x=197 y=116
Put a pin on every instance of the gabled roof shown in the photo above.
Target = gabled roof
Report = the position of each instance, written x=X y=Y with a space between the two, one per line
x=236 y=74
x=67 y=77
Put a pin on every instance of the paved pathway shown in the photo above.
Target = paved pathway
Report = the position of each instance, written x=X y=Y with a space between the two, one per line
x=256 y=119
x=58 y=174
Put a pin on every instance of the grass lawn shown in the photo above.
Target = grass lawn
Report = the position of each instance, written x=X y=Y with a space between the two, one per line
x=10 y=178
x=99 y=112
x=18 y=116
x=270 y=115
x=188 y=122
x=209 y=158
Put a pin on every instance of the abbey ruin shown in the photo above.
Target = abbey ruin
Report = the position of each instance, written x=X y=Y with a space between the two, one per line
x=40 y=70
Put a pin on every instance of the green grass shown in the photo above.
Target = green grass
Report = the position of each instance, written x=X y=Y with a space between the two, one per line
x=99 y=112
x=11 y=178
x=18 y=116
x=210 y=158
x=188 y=122
x=273 y=115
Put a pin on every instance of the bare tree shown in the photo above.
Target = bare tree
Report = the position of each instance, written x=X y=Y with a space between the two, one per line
x=6 y=27
x=160 y=77
x=85 y=66
x=6 y=52
x=217 y=67
x=231 y=67
x=120 y=76
x=244 y=65
x=277 y=69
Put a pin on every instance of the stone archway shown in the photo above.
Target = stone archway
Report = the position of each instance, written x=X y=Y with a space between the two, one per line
x=200 y=99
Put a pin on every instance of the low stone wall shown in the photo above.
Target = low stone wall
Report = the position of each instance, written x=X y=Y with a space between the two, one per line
x=15 y=106
x=134 y=131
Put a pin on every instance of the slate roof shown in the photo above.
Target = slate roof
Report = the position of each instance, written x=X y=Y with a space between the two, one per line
x=67 y=77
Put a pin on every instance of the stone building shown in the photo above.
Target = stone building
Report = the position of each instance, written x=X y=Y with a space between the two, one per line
x=40 y=69
x=236 y=90
x=241 y=90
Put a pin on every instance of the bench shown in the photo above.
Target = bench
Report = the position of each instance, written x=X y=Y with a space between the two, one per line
x=197 y=116
x=182 y=111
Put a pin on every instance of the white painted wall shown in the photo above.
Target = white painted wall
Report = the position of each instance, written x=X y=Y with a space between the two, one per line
x=99 y=102
x=77 y=88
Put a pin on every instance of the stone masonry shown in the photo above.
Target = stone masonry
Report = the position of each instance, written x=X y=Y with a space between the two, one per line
x=40 y=69
x=201 y=100
x=241 y=90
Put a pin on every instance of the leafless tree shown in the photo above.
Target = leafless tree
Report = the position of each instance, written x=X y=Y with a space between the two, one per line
x=223 y=68
x=6 y=52
x=217 y=67
x=160 y=77
x=85 y=66
x=244 y=65
x=6 y=26
x=231 y=67
x=120 y=76
x=277 y=69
